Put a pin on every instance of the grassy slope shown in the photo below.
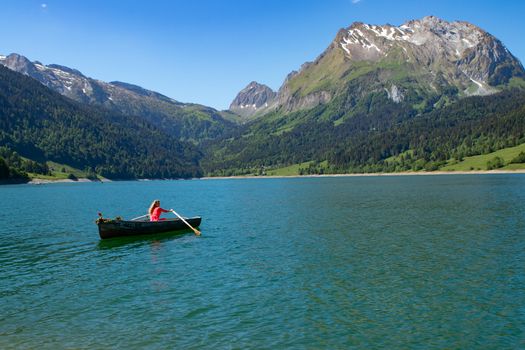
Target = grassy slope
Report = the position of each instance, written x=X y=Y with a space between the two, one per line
x=322 y=74
x=289 y=170
x=293 y=169
x=57 y=172
x=336 y=74
x=469 y=163
x=480 y=162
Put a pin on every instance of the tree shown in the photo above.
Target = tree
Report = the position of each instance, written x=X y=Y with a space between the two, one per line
x=520 y=158
x=495 y=163
x=4 y=169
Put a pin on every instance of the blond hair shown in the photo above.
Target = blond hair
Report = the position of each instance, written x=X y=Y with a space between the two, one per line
x=153 y=205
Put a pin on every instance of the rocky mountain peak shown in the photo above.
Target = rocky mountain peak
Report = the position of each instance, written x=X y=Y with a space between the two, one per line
x=18 y=63
x=372 y=42
x=427 y=55
x=252 y=99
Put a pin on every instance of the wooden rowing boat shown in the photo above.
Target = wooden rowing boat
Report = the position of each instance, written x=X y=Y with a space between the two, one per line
x=122 y=228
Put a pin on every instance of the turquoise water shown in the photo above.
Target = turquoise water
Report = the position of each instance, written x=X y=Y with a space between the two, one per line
x=397 y=262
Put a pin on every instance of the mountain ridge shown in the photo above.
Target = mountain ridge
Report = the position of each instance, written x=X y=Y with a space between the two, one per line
x=186 y=121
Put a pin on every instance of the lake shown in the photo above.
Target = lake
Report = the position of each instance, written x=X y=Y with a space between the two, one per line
x=395 y=262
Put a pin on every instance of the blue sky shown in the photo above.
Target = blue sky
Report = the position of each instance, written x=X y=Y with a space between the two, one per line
x=205 y=51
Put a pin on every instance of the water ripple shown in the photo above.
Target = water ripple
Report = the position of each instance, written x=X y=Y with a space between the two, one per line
x=335 y=263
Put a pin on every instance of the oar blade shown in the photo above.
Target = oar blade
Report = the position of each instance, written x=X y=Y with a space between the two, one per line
x=197 y=232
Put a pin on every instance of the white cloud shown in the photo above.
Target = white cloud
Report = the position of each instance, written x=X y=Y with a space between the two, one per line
x=44 y=6
x=355 y=1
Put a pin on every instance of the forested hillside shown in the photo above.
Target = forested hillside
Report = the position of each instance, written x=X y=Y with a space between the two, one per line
x=379 y=135
x=13 y=168
x=43 y=125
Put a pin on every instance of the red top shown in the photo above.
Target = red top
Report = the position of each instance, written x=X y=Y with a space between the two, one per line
x=156 y=213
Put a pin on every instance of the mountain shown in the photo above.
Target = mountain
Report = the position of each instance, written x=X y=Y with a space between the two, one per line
x=379 y=98
x=370 y=80
x=414 y=62
x=181 y=120
x=252 y=99
x=417 y=60
x=41 y=124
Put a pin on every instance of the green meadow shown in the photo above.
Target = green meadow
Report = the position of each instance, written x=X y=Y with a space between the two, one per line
x=62 y=172
x=480 y=162
x=473 y=163
x=289 y=170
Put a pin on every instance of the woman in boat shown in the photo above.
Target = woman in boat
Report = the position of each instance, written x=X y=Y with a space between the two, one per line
x=155 y=211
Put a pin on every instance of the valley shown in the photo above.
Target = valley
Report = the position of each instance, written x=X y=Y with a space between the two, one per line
x=427 y=95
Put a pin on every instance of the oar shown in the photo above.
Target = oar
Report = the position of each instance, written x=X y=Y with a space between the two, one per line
x=139 y=217
x=197 y=232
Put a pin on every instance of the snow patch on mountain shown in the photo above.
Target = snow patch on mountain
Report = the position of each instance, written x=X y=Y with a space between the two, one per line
x=455 y=37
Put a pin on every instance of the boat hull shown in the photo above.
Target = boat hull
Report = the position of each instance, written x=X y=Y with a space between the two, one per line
x=123 y=228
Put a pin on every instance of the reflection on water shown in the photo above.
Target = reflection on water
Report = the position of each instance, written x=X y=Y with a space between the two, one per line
x=331 y=263
x=142 y=239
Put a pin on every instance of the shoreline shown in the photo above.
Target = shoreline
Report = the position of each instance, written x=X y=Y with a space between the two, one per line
x=37 y=181
x=405 y=173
